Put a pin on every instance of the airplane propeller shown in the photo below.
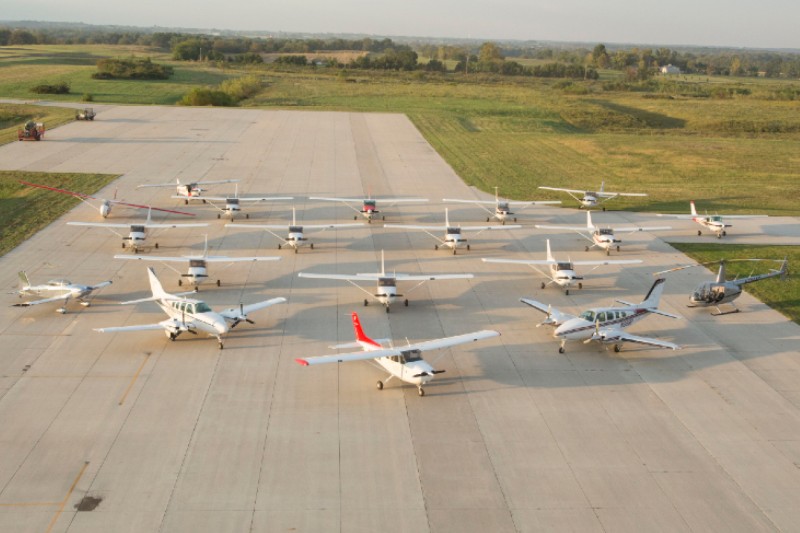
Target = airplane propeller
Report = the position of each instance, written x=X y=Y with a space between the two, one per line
x=548 y=319
x=242 y=317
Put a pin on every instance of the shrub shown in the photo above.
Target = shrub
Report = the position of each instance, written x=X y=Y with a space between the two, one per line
x=87 y=97
x=241 y=88
x=132 y=69
x=57 y=88
x=205 y=97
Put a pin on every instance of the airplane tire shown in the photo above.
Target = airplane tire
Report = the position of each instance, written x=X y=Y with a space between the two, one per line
x=543 y=284
x=435 y=246
x=515 y=219
x=279 y=247
x=608 y=252
x=247 y=215
x=366 y=302
x=156 y=246
x=311 y=245
x=724 y=232
x=504 y=222
x=468 y=247
x=560 y=349
x=172 y=337
x=180 y=283
x=387 y=309
x=295 y=250
x=186 y=202
x=383 y=218
x=587 y=248
x=616 y=348
x=406 y=303
x=220 y=216
x=566 y=292
x=719 y=235
x=580 y=285
x=379 y=385
x=219 y=283
x=421 y=391
x=355 y=217
x=699 y=233
x=487 y=219
x=221 y=346
x=618 y=248
x=454 y=251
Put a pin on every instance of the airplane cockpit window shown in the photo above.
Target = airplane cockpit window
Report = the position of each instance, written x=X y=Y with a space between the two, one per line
x=295 y=229
x=387 y=282
x=197 y=263
x=563 y=266
x=601 y=317
x=137 y=229
x=369 y=204
x=503 y=206
x=715 y=218
x=59 y=282
x=588 y=315
x=190 y=308
x=232 y=201
x=410 y=356
x=454 y=231
x=605 y=231
x=201 y=307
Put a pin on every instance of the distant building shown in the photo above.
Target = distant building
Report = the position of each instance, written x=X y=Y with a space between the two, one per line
x=670 y=69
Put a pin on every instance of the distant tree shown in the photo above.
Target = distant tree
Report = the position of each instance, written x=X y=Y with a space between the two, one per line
x=22 y=37
x=434 y=65
x=736 y=66
x=600 y=57
x=489 y=52
x=5 y=35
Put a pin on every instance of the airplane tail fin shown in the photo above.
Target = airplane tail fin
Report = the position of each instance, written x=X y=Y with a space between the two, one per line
x=602 y=185
x=446 y=217
x=23 y=279
x=383 y=265
x=155 y=285
x=549 y=254
x=694 y=209
x=654 y=295
x=589 y=224
x=784 y=269
x=359 y=332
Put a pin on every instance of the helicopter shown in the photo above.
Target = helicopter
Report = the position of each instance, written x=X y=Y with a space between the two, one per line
x=721 y=291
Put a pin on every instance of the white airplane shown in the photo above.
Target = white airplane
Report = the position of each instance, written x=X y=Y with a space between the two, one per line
x=452 y=234
x=137 y=233
x=405 y=364
x=589 y=199
x=233 y=203
x=198 y=264
x=605 y=324
x=186 y=314
x=712 y=222
x=369 y=205
x=188 y=191
x=562 y=273
x=502 y=208
x=602 y=237
x=295 y=238
x=105 y=205
x=64 y=290
x=386 y=291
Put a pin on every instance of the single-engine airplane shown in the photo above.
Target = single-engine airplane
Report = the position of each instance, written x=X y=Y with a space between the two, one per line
x=589 y=199
x=502 y=208
x=295 y=238
x=188 y=191
x=452 y=234
x=187 y=314
x=233 y=203
x=603 y=238
x=369 y=205
x=715 y=223
x=605 y=324
x=386 y=291
x=562 y=273
x=404 y=363
x=64 y=291
x=721 y=291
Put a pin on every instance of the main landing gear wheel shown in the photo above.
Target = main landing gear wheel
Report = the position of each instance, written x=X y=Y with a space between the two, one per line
x=172 y=337
x=156 y=246
x=608 y=252
x=515 y=219
x=379 y=385
x=724 y=232
x=454 y=251
x=279 y=247
x=221 y=346
x=180 y=283
x=580 y=285
x=435 y=246
x=719 y=235
x=220 y=216
x=387 y=308
x=311 y=245
x=421 y=391
x=295 y=250
x=405 y=303
x=561 y=349
x=616 y=348
x=366 y=302
x=699 y=233
x=587 y=248
x=468 y=248
x=618 y=247
x=186 y=202
x=566 y=292
x=247 y=215
x=543 y=284
x=219 y=283
x=488 y=219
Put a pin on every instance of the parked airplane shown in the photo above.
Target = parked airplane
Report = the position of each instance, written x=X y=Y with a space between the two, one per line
x=405 y=364
x=137 y=232
x=188 y=191
x=105 y=205
x=198 y=264
x=722 y=291
x=62 y=289
x=591 y=199
x=605 y=324
x=452 y=234
x=386 y=291
x=233 y=203
x=296 y=238
x=562 y=273
x=502 y=208
x=602 y=237
x=369 y=205
x=714 y=223
x=186 y=314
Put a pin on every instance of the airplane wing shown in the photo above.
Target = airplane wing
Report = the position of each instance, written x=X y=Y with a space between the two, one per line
x=241 y=199
x=45 y=301
x=607 y=194
x=150 y=225
x=431 y=277
x=520 y=261
x=315 y=227
x=609 y=262
x=438 y=344
x=210 y=259
x=611 y=335
x=489 y=228
x=565 y=228
x=99 y=224
x=342 y=277
x=174 y=184
x=239 y=313
x=554 y=316
x=631 y=229
x=575 y=191
x=515 y=205
x=346 y=200
x=416 y=226
x=278 y=227
x=169 y=324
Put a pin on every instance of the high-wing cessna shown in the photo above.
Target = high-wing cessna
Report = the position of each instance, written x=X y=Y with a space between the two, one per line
x=502 y=208
x=187 y=314
x=295 y=238
x=605 y=324
x=369 y=205
x=105 y=205
x=137 y=232
x=589 y=199
x=562 y=273
x=404 y=363
x=188 y=191
x=714 y=223
x=602 y=237
x=386 y=291
x=62 y=289
x=233 y=203
x=452 y=234
x=722 y=291
x=198 y=264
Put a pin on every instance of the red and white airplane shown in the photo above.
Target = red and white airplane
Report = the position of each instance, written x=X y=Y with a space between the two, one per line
x=714 y=223
x=188 y=191
x=603 y=238
x=405 y=364
x=369 y=205
x=589 y=199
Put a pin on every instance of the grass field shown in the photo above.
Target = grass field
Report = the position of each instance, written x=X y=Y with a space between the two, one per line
x=13 y=117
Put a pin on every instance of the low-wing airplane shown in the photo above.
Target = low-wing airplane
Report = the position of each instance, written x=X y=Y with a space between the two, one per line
x=369 y=205
x=589 y=199
x=198 y=264
x=502 y=208
x=187 y=314
x=105 y=205
x=452 y=234
x=714 y=223
x=405 y=363
x=605 y=324
x=562 y=273
x=602 y=237
x=295 y=238
x=62 y=289
x=386 y=291
x=721 y=291
x=233 y=203
x=188 y=191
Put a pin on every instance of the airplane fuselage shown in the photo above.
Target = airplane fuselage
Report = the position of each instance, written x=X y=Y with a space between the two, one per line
x=584 y=326
x=195 y=313
x=198 y=271
x=105 y=209
x=713 y=223
x=136 y=237
x=563 y=273
x=453 y=238
x=589 y=199
x=295 y=237
x=386 y=292
x=604 y=238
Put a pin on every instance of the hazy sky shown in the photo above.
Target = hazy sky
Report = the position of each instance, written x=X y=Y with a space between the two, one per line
x=737 y=23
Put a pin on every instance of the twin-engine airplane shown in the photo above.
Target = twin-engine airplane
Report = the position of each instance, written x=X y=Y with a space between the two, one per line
x=405 y=364
x=722 y=291
x=589 y=199
x=64 y=291
x=105 y=205
x=714 y=223
x=502 y=208
x=602 y=237
x=605 y=324
x=186 y=314
x=369 y=205
x=295 y=238
x=233 y=205
x=562 y=273
x=188 y=191
x=386 y=291
x=452 y=234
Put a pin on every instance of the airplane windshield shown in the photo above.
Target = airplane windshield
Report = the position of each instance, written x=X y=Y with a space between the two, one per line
x=137 y=229
x=295 y=229
x=588 y=316
x=605 y=231
x=411 y=356
x=454 y=231
x=369 y=203
x=233 y=201
x=716 y=218
x=202 y=307
x=502 y=206
x=58 y=282
x=563 y=266
x=387 y=282
x=197 y=263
